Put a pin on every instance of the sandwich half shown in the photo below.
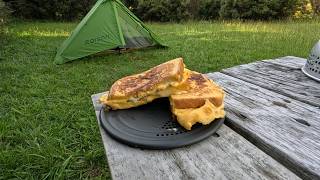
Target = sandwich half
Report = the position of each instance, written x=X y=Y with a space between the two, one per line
x=197 y=100
x=139 y=89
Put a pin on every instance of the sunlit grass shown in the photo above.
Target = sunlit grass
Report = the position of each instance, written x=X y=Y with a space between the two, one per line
x=43 y=33
x=48 y=127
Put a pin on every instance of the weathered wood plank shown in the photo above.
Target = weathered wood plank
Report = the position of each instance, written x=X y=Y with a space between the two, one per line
x=288 y=61
x=229 y=156
x=286 y=129
x=281 y=75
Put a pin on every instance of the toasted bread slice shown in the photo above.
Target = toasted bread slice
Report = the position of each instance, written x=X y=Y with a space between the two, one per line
x=139 y=89
x=200 y=102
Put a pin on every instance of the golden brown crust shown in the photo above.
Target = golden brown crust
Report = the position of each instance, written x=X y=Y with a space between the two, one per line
x=201 y=101
x=193 y=97
x=171 y=71
x=200 y=89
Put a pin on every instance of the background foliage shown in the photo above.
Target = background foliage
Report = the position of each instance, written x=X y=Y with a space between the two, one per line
x=172 y=10
x=4 y=18
x=50 y=9
x=307 y=9
x=162 y=10
x=261 y=9
x=4 y=15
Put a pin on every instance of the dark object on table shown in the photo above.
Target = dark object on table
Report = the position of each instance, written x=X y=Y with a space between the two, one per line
x=152 y=127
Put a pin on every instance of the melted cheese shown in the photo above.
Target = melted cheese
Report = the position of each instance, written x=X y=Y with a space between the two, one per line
x=204 y=114
x=161 y=90
x=186 y=117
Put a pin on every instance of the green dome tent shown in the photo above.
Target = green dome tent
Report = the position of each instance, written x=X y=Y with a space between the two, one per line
x=108 y=25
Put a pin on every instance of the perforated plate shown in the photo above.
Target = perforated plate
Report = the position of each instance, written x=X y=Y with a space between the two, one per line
x=152 y=127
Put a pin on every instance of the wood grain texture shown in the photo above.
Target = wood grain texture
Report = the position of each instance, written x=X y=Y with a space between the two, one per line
x=229 y=156
x=286 y=129
x=288 y=61
x=281 y=75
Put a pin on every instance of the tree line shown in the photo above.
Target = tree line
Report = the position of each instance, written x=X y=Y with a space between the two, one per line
x=170 y=10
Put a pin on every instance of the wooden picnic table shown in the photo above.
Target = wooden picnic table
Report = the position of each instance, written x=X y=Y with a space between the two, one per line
x=272 y=131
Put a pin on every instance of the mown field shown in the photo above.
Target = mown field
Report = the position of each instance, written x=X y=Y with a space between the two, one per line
x=48 y=128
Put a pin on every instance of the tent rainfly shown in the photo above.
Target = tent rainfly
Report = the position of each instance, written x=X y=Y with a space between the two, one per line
x=108 y=25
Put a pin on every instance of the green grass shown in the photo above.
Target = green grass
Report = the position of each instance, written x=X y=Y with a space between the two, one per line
x=48 y=127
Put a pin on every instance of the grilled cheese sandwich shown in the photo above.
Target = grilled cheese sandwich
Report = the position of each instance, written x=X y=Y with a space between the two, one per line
x=139 y=89
x=202 y=102
x=193 y=97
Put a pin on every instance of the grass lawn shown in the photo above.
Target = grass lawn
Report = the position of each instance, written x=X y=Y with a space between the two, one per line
x=48 y=127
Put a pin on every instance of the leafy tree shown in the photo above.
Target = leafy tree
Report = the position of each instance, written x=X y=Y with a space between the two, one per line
x=51 y=9
x=167 y=10
x=4 y=13
x=209 y=9
x=258 y=9
x=163 y=10
x=316 y=6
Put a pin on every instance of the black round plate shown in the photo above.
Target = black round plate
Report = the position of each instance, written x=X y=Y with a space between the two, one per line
x=151 y=126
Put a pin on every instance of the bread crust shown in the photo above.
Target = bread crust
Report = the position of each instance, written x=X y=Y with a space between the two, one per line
x=201 y=102
x=171 y=71
x=198 y=89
